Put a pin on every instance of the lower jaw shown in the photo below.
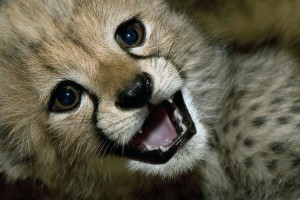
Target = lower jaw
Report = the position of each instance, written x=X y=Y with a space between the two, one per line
x=156 y=156
x=183 y=162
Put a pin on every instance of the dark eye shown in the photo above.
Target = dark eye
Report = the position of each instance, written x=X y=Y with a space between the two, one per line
x=130 y=34
x=66 y=96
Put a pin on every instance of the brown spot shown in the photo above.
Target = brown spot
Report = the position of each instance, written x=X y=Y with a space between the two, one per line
x=50 y=68
x=295 y=162
x=235 y=122
x=248 y=142
x=298 y=126
x=237 y=106
x=258 y=121
x=226 y=128
x=248 y=162
x=290 y=183
x=211 y=145
x=271 y=165
x=255 y=106
x=283 y=120
x=14 y=54
x=35 y=47
x=238 y=137
x=232 y=92
x=277 y=147
x=289 y=83
x=227 y=152
x=295 y=109
x=2 y=2
x=215 y=136
x=264 y=154
x=277 y=100
x=297 y=101
x=26 y=160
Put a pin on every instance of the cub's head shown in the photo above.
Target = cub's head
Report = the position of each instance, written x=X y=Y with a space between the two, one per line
x=98 y=85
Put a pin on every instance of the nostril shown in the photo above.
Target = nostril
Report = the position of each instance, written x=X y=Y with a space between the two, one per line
x=137 y=94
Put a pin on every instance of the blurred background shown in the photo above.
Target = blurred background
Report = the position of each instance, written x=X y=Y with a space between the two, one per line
x=247 y=22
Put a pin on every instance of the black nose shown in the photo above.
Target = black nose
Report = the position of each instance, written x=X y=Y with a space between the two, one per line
x=137 y=94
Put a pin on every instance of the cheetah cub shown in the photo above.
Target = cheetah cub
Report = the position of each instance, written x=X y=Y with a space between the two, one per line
x=94 y=101
x=124 y=99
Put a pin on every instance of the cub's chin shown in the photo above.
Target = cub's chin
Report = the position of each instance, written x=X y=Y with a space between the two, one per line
x=183 y=161
x=171 y=141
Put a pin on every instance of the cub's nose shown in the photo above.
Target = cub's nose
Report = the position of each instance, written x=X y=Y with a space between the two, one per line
x=137 y=94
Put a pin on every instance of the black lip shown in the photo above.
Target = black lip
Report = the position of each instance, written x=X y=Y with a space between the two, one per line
x=156 y=156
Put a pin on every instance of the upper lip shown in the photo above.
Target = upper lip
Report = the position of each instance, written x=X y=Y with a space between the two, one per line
x=158 y=155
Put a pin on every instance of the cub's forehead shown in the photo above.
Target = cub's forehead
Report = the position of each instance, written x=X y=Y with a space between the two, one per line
x=105 y=8
x=67 y=34
x=101 y=8
x=103 y=16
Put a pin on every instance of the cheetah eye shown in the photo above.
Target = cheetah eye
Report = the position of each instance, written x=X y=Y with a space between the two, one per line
x=130 y=34
x=65 y=97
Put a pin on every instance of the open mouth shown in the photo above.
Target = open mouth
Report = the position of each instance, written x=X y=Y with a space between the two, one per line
x=168 y=127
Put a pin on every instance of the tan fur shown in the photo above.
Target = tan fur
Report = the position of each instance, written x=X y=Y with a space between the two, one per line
x=245 y=105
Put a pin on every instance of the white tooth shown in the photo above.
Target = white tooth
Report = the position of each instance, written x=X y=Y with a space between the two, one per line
x=140 y=131
x=177 y=115
x=179 y=118
x=181 y=124
x=149 y=148
x=176 y=112
x=170 y=100
x=163 y=149
x=184 y=129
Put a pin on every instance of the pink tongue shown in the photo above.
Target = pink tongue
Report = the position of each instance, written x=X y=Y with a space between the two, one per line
x=158 y=130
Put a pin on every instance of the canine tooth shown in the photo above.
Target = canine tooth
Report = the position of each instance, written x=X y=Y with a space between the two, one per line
x=181 y=125
x=140 y=131
x=184 y=129
x=170 y=100
x=177 y=115
x=163 y=149
x=179 y=118
x=149 y=148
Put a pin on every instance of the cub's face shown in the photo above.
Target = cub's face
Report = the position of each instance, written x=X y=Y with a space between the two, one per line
x=100 y=82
